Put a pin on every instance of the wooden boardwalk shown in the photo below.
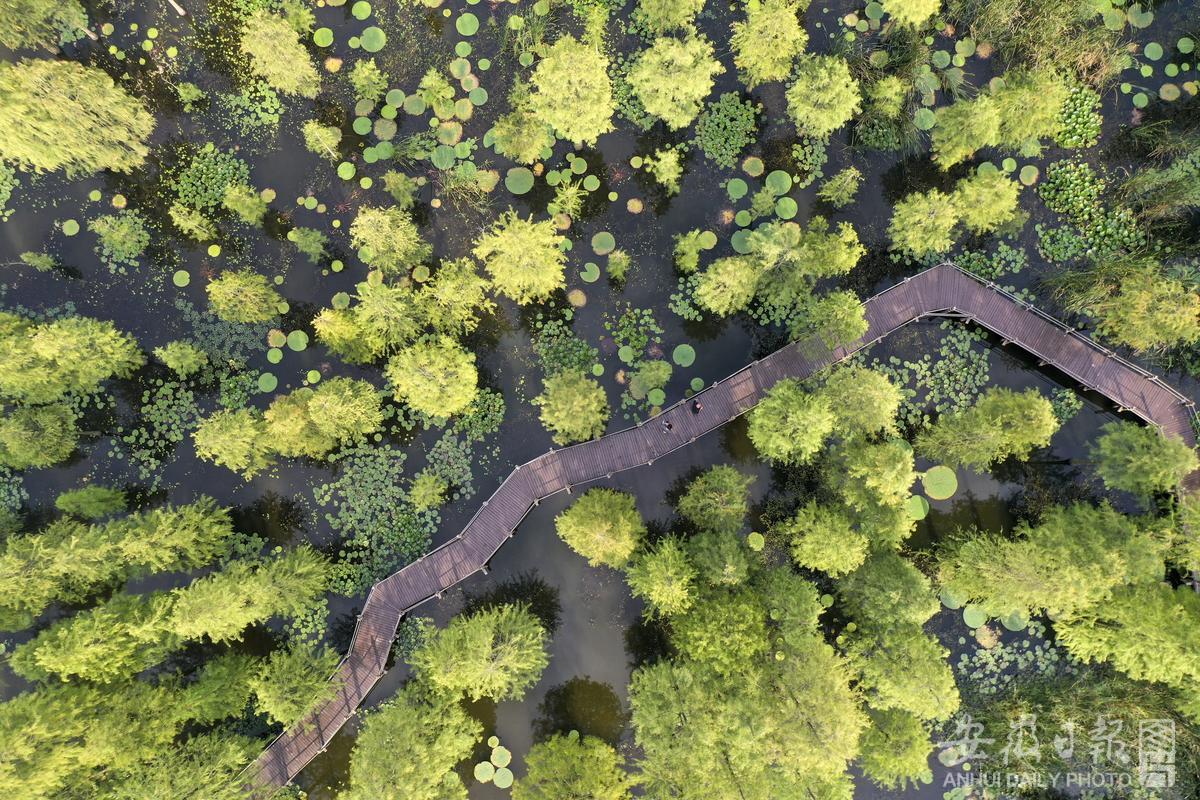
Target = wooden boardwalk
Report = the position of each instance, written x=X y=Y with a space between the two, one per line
x=941 y=290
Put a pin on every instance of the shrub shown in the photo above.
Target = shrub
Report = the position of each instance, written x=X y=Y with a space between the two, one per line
x=824 y=95
x=603 y=526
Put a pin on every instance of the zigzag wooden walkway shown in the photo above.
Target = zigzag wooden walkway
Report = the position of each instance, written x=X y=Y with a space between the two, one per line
x=942 y=290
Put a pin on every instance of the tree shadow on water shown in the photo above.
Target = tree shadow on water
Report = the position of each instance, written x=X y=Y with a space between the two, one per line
x=584 y=705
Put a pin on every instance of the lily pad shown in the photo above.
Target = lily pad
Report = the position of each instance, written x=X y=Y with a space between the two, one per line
x=501 y=756
x=684 y=355
x=917 y=507
x=940 y=482
x=484 y=772
x=591 y=272
x=736 y=189
x=603 y=243
x=345 y=170
x=974 y=616
x=779 y=182
x=924 y=119
x=503 y=778
x=1029 y=174
x=360 y=10
x=951 y=599
x=786 y=208
x=322 y=37
x=756 y=541
x=518 y=180
x=1153 y=51
x=626 y=354
x=1139 y=18
x=70 y=227
x=656 y=397
x=297 y=340
x=467 y=24
x=373 y=39
x=697 y=384
x=1015 y=621
x=267 y=382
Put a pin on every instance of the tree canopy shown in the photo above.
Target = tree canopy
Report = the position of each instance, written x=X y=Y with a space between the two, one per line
x=603 y=526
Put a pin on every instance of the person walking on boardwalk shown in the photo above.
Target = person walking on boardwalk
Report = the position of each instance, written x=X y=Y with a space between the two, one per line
x=697 y=407
x=667 y=426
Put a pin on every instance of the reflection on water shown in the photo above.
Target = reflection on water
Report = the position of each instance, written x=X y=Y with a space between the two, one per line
x=584 y=705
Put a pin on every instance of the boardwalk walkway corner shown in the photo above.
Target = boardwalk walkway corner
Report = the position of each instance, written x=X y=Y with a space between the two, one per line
x=944 y=290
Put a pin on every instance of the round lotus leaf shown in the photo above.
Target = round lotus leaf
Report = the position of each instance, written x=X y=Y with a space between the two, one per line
x=70 y=227
x=503 y=778
x=460 y=68
x=626 y=354
x=484 y=771
x=373 y=39
x=385 y=129
x=755 y=541
x=779 y=182
x=467 y=24
x=973 y=616
x=1141 y=100
x=415 y=105
x=518 y=180
x=274 y=355
x=478 y=96
x=1169 y=92
x=267 y=382
x=312 y=376
x=369 y=154
x=181 y=278
x=1153 y=51
x=684 y=355
x=360 y=10
x=449 y=132
x=276 y=338
x=940 y=59
x=591 y=183
x=345 y=170
x=753 y=166
x=940 y=482
x=951 y=599
x=1171 y=70
x=1139 y=18
x=420 y=273
x=786 y=208
x=501 y=756
x=656 y=397
x=924 y=119
x=361 y=125
x=827 y=600
x=322 y=37
x=297 y=340
x=597 y=370
x=603 y=243
x=340 y=300
x=394 y=97
x=736 y=188
x=707 y=240
x=697 y=384
x=917 y=507
x=1015 y=621
x=965 y=47
x=443 y=156
x=1185 y=45
x=525 y=59
x=874 y=10
x=493 y=741
x=1114 y=19
x=740 y=242
x=591 y=272
x=1029 y=174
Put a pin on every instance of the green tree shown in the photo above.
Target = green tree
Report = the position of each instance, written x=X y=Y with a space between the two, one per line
x=368 y=80
x=887 y=590
x=573 y=407
x=1134 y=302
x=85 y=122
x=40 y=362
x=521 y=134
x=718 y=499
x=37 y=436
x=603 y=526
x=1141 y=460
x=904 y=668
x=1151 y=632
x=836 y=318
x=824 y=95
x=660 y=16
x=243 y=296
x=923 y=224
x=91 y=502
x=724 y=629
x=986 y=201
x=824 y=539
x=245 y=203
x=869 y=474
x=963 y=127
x=1072 y=560
x=221 y=605
x=524 y=258
x=720 y=557
x=182 y=358
x=322 y=139
x=895 y=749
x=277 y=56
x=911 y=13
x=387 y=239
x=236 y=439
x=41 y=23
x=664 y=577
x=498 y=653
x=311 y=422
x=433 y=733
x=840 y=189
x=768 y=41
x=790 y=425
x=672 y=77
x=435 y=377
x=1001 y=424
x=573 y=766
x=427 y=490
x=1030 y=103
x=728 y=284
x=293 y=681
x=455 y=298
x=863 y=400
x=573 y=91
